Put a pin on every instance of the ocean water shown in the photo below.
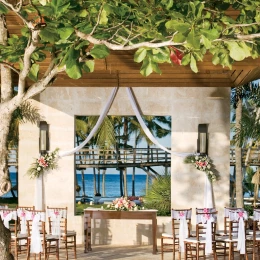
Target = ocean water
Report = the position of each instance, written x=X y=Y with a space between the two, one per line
x=112 y=188
x=112 y=185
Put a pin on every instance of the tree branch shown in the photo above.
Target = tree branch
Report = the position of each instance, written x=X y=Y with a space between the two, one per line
x=42 y=84
x=129 y=47
x=247 y=37
x=27 y=61
x=10 y=67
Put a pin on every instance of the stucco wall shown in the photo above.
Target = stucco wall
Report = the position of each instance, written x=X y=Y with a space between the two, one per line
x=187 y=107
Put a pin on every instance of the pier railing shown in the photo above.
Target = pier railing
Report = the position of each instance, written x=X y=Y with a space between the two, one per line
x=253 y=158
x=111 y=158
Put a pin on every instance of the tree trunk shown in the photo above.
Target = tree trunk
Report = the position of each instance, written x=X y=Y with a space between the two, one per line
x=238 y=153
x=125 y=182
x=104 y=182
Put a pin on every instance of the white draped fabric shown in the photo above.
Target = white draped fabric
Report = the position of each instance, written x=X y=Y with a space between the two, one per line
x=145 y=128
x=36 y=244
x=182 y=216
x=6 y=216
x=208 y=194
x=21 y=213
x=95 y=128
x=207 y=219
x=56 y=216
x=240 y=216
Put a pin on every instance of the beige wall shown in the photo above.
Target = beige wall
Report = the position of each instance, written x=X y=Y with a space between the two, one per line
x=188 y=107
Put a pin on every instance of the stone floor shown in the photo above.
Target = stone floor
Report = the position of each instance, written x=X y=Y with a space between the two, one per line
x=108 y=252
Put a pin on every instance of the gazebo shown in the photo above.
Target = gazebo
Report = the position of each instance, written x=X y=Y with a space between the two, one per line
x=189 y=98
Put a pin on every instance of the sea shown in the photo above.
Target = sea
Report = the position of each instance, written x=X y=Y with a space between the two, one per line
x=112 y=185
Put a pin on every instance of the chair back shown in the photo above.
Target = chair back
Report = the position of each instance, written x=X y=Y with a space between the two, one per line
x=237 y=222
x=178 y=215
x=57 y=220
x=9 y=218
x=256 y=222
x=206 y=223
x=36 y=229
x=226 y=218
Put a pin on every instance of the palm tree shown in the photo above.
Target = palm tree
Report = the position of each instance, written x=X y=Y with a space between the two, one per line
x=246 y=128
x=24 y=113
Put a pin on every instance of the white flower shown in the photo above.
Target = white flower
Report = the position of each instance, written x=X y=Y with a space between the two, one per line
x=38 y=169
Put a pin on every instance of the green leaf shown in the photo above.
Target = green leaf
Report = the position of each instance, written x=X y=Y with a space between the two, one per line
x=179 y=38
x=236 y=52
x=33 y=73
x=65 y=32
x=186 y=59
x=146 y=68
x=140 y=55
x=193 y=40
x=206 y=42
x=3 y=9
x=74 y=71
x=49 y=35
x=89 y=66
x=210 y=34
x=193 y=64
x=72 y=57
x=60 y=6
x=103 y=18
x=177 y=26
x=156 y=68
x=99 y=51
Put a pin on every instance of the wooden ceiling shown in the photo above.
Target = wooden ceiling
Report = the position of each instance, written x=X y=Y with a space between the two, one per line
x=119 y=69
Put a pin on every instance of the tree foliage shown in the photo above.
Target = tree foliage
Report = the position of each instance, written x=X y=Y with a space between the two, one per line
x=76 y=33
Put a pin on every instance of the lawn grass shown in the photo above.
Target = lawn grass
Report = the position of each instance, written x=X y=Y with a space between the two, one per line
x=11 y=202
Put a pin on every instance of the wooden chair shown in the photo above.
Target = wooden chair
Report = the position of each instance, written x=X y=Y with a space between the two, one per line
x=40 y=243
x=171 y=242
x=235 y=235
x=204 y=242
x=19 y=240
x=253 y=240
x=57 y=218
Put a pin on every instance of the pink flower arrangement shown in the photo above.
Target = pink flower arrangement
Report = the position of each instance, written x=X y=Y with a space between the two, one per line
x=43 y=163
x=202 y=163
x=122 y=204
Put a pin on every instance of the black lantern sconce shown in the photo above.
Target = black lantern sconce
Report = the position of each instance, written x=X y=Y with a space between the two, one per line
x=202 y=142
x=44 y=137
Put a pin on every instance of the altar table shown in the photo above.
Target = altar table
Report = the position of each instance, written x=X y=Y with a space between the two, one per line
x=91 y=213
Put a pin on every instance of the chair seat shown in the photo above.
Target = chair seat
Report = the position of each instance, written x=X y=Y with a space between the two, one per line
x=250 y=232
x=194 y=240
x=52 y=237
x=226 y=239
x=69 y=233
x=167 y=235
x=250 y=237
x=19 y=236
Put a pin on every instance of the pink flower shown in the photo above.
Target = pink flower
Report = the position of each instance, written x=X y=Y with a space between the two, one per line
x=205 y=210
x=42 y=162
x=207 y=216
x=57 y=213
x=240 y=214
x=23 y=214
x=181 y=213
x=6 y=213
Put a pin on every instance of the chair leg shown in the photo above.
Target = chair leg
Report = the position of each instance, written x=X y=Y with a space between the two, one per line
x=75 y=247
x=161 y=248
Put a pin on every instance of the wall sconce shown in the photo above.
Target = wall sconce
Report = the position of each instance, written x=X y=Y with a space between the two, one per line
x=44 y=137
x=202 y=142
